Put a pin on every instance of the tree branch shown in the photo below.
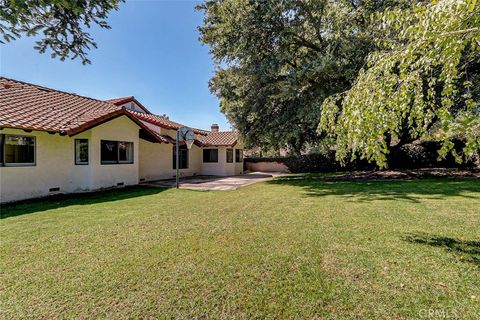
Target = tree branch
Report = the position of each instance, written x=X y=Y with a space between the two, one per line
x=304 y=42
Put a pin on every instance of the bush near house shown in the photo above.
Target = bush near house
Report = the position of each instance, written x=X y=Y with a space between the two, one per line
x=410 y=156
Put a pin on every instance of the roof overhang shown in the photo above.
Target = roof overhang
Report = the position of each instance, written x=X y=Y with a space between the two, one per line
x=119 y=102
x=220 y=145
x=165 y=124
x=108 y=117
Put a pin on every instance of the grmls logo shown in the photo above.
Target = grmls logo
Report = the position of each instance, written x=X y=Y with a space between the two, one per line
x=438 y=314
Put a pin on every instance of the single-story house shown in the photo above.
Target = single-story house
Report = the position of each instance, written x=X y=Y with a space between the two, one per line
x=57 y=142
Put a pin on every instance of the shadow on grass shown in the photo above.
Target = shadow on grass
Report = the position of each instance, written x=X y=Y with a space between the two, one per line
x=369 y=190
x=64 y=200
x=469 y=250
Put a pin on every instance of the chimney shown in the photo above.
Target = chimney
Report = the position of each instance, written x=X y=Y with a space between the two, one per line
x=215 y=127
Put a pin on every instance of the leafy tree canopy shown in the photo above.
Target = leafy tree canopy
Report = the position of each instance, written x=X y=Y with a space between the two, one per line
x=61 y=22
x=422 y=82
x=278 y=60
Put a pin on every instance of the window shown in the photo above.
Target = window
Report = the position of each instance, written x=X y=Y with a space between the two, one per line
x=125 y=152
x=229 y=155
x=114 y=152
x=182 y=158
x=210 y=155
x=109 y=151
x=238 y=155
x=17 y=150
x=81 y=151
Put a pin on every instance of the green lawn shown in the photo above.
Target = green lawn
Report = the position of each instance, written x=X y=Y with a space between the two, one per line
x=290 y=248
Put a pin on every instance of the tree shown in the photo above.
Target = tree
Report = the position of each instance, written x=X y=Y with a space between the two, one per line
x=278 y=60
x=60 y=21
x=423 y=82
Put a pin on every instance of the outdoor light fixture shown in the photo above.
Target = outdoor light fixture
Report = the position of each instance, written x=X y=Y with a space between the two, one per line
x=187 y=135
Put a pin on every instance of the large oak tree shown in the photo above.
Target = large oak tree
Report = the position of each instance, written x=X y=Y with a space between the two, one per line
x=278 y=60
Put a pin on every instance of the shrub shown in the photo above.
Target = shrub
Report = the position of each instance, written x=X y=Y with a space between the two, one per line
x=314 y=163
x=425 y=155
x=411 y=156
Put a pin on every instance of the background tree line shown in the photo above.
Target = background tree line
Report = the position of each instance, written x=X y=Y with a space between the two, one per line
x=370 y=76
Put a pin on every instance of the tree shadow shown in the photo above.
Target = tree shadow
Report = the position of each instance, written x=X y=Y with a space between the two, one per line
x=413 y=190
x=469 y=250
x=63 y=200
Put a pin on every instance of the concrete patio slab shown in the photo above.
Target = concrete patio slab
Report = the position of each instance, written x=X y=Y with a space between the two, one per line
x=214 y=183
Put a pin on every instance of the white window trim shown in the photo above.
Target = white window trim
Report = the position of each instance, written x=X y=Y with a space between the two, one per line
x=81 y=163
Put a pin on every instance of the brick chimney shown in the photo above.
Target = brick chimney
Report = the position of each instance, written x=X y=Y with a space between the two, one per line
x=215 y=127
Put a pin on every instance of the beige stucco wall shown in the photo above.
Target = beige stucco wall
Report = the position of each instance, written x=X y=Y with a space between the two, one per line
x=156 y=161
x=55 y=163
x=107 y=175
x=239 y=168
x=267 y=166
x=222 y=168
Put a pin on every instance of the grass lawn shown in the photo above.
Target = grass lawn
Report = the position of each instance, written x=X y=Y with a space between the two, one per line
x=290 y=248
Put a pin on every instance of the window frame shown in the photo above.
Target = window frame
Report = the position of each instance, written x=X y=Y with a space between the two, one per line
x=77 y=163
x=182 y=149
x=209 y=149
x=3 y=163
x=229 y=150
x=132 y=154
x=238 y=155
x=117 y=161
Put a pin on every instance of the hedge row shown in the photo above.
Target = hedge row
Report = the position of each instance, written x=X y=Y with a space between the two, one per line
x=314 y=163
x=413 y=156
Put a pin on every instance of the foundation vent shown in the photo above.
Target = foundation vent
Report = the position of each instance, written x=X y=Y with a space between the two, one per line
x=54 y=189
x=120 y=184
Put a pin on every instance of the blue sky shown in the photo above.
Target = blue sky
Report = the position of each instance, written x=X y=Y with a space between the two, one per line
x=152 y=52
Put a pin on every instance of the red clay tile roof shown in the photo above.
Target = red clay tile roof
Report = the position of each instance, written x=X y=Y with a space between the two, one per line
x=222 y=138
x=156 y=130
x=120 y=101
x=32 y=107
x=166 y=138
x=162 y=122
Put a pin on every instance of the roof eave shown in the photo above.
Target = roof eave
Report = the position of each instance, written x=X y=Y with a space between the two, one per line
x=164 y=125
x=131 y=99
x=27 y=128
x=95 y=122
x=110 y=116
x=220 y=145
